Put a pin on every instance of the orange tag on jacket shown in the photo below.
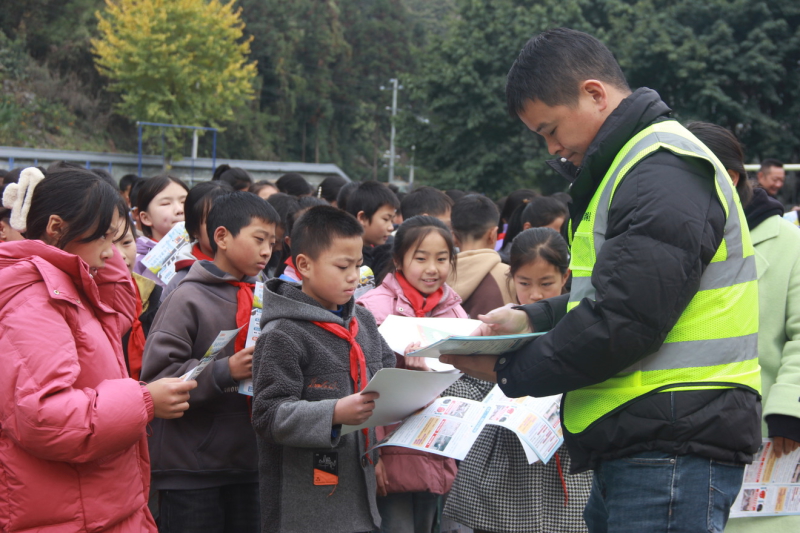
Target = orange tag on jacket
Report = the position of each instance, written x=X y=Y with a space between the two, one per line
x=326 y=468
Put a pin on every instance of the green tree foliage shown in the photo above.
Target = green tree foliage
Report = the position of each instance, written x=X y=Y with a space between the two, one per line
x=175 y=61
x=732 y=62
x=322 y=63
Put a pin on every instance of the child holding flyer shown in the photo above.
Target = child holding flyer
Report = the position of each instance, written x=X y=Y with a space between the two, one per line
x=496 y=490
x=317 y=351
x=423 y=255
x=198 y=204
x=159 y=206
x=205 y=464
x=72 y=447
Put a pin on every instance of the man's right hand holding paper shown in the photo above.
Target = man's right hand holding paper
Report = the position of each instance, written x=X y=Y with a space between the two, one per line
x=502 y=321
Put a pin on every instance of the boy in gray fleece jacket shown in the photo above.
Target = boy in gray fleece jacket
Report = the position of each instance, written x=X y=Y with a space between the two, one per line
x=317 y=350
x=204 y=464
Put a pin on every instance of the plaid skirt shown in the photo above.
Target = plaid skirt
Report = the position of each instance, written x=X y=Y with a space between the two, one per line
x=497 y=490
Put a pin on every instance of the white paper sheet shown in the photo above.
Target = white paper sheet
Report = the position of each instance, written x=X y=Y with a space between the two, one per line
x=402 y=393
x=400 y=331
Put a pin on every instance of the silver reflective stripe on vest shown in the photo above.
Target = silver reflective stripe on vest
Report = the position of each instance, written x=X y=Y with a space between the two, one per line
x=727 y=273
x=692 y=354
x=581 y=288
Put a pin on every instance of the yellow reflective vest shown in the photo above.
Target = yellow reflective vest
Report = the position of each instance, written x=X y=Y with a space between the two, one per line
x=714 y=343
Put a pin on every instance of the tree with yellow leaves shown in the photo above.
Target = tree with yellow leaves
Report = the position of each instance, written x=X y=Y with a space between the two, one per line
x=175 y=61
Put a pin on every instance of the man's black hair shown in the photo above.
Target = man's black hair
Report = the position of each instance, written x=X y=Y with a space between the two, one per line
x=199 y=201
x=553 y=64
x=472 y=216
x=315 y=231
x=425 y=201
x=370 y=196
x=329 y=189
x=769 y=163
x=127 y=181
x=236 y=210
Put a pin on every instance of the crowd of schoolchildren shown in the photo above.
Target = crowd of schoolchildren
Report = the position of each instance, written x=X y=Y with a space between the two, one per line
x=100 y=433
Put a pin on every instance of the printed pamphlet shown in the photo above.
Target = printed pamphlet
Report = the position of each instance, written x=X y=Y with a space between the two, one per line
x=450 y=426
x=771 y=485
x=402 y=393
x=161 y=259
x=223 y=339
x=253 y=331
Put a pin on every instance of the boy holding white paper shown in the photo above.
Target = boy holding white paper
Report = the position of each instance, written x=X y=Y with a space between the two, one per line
x=316 y=352
x=204 y=464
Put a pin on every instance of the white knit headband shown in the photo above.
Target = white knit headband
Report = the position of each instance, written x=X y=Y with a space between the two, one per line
x=18 y=196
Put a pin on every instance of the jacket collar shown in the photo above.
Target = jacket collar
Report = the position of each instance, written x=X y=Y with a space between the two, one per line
x=283 y=299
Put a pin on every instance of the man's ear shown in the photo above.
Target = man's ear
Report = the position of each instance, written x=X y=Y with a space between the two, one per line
x=221 y=237
x=288 y=241
x=598 y=93
x=526 y=225
x=362 y=218
x=303 y=264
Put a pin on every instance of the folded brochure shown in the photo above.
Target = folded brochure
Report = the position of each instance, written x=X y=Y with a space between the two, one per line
x=494 y=345
x=450 y=426
x=223 y=339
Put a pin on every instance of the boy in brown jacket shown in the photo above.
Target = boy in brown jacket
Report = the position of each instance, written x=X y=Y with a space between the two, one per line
x=205 y=463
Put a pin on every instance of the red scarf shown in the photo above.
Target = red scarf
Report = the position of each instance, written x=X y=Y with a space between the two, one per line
x=244 y=306
x=136 y=339
x=199 y=255
x=293 y=273
x=358 y=364
x=421 y=304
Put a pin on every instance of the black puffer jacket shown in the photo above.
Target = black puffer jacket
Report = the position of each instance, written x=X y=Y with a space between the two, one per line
x=664 y=226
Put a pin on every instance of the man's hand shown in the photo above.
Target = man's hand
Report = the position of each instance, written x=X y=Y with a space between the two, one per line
x=415 y=363
x=170 y=396
x=477 y=366
x=381 y=478
x=355 y=409
x=503 y=321
x=784 y=446
x=241 y=364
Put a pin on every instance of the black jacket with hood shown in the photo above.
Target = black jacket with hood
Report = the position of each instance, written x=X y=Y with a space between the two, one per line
x=664 y=225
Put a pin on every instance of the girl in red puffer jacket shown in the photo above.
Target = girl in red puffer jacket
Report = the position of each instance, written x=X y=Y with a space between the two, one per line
x=73 y=449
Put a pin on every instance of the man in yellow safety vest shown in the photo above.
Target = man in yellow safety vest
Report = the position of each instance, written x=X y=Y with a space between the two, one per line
x=655 y=349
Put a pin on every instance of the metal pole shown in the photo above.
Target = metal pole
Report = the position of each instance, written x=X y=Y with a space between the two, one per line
x=391 y=137
x=214 y=153
x=140 y=150
x=194 y=144
x=411 y=170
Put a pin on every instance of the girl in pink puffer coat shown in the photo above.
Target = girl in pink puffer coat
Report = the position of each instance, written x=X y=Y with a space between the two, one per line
x=73 y=449
x=423 y=255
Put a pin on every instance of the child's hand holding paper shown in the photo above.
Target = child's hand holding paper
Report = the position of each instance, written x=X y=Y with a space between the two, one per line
x=415 y=363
